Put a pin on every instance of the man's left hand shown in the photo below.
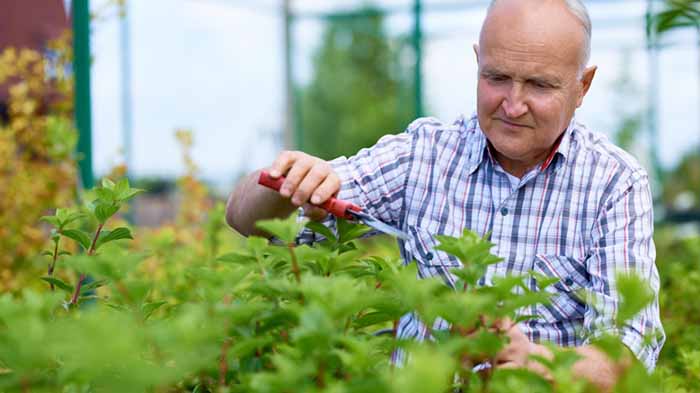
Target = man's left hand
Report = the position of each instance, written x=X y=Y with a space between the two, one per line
x=518 y=351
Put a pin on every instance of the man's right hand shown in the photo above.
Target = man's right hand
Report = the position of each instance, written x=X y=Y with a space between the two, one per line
x=309 y=179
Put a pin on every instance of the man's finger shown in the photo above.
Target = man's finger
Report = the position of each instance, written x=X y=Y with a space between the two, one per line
x=294 y=178
x=508 y=365
x=316 y=175
x=282 y=164
x=325 y=190
x=506 y=355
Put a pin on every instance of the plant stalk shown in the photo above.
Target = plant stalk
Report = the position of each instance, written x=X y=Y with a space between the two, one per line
x=295 y=264
x=52 y=265
x=76 y=294
x=91 y=251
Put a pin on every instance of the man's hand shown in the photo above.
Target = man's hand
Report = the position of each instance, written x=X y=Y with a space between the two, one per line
x=308 y=179
x=518 y=351
x=594 y=366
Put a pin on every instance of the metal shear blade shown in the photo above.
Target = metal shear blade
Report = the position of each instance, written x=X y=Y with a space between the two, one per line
x=378 y=225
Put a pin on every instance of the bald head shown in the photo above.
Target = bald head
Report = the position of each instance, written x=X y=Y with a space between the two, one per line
x=576 y=10
x=532 y=57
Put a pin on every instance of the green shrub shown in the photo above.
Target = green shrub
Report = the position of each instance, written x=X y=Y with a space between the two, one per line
x=260 y=318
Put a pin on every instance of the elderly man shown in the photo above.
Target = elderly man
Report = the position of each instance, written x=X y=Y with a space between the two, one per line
x=555 y=197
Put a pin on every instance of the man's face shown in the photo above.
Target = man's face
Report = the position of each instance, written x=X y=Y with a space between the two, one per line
x=529 y=84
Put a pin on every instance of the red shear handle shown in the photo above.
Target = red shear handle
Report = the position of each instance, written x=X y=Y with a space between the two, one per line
x=336 y=207
x=266 y=180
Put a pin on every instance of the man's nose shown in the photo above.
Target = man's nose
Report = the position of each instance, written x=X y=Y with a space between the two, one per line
x=514 y=104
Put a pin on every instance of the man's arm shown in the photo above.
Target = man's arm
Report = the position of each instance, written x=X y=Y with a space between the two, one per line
x=594 y=366
x=308 y=179
x=622 y=243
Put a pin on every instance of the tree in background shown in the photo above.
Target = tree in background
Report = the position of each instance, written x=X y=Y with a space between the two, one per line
x=682 y=184
x=360 y=90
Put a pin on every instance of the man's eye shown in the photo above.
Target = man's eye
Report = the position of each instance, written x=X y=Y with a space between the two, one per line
x=497 y=78
x=541 y=85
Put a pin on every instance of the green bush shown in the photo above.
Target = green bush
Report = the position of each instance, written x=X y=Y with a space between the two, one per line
x=163 y=316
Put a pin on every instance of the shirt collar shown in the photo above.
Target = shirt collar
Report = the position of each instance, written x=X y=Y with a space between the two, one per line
x=480 y=150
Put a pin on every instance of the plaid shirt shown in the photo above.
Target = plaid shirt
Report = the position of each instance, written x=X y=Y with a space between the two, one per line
x=582 y=216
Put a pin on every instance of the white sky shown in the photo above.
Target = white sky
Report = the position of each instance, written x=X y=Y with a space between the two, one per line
x=216 y=66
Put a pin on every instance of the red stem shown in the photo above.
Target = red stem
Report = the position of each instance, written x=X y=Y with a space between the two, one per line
x=91 y=251
x=295 y=264
x=223 y=363
x=321 y=378
x=74 y=299
x=53 y=263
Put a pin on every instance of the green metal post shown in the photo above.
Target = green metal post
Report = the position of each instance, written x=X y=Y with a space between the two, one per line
x=292 y=134
x=81 y=70
x=652 y=104
x=418 y=51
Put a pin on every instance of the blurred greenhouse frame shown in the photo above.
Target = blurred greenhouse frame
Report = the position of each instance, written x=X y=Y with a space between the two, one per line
x=677 y=202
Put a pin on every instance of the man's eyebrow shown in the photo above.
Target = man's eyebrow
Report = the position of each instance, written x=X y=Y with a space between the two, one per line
x=548 y=80
x=544 y=79
x=491 y=71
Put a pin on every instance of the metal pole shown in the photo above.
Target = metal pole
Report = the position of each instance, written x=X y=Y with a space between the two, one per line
x=127 y=122
x=418 y=51
x=81 y=65
x=292 y=137
x=652 y=95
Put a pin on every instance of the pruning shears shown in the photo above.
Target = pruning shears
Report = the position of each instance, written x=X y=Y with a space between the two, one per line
x=340 y=208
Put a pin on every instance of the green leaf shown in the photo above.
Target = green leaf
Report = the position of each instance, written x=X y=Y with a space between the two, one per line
x=104 y=211
x=635 y=295
x=321 y=230
x=92 y=285
x=518 y=380
x=105 y=195
x=236 y=257
x=372 y=318
x=108 y=184
x=149 y=308
x=427 y=371
x=76 y=234
x=116 y=234
x=58 y=283
x=348 y=231
x=123 y=192
x=285 y=230
x=67 y=216
x=53 y=220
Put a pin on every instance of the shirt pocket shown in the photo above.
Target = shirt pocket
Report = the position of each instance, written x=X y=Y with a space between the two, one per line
x=567 y=295
x=422 y=245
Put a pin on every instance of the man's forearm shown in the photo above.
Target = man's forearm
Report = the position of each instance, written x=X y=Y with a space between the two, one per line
x=250 y=202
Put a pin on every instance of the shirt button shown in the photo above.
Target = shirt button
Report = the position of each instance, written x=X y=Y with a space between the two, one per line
x=569 y=281
x=429 y=256
x=504 y=211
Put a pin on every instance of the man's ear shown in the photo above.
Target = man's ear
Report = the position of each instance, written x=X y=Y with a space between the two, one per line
x=586 y=81
x=476 y=52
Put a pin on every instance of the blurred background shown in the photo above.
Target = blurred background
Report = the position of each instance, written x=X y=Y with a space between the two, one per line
x=241 y=80
x=250 y=78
